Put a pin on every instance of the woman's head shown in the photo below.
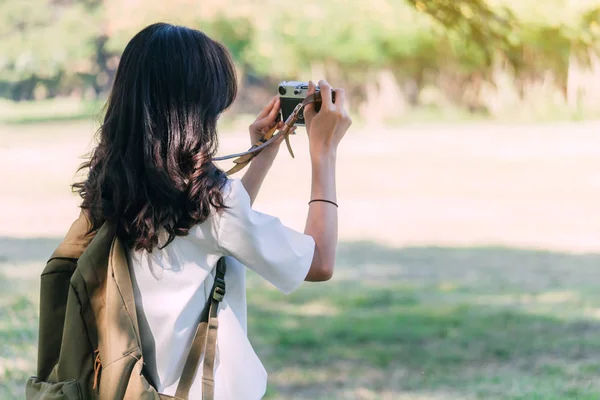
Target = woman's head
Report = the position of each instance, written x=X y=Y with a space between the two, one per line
x=152 y=169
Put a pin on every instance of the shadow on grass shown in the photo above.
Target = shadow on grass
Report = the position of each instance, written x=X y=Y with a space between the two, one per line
x=441 y=323
x=455 y=322
x=18 y=250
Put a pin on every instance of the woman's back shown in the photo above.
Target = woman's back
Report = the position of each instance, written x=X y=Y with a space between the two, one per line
x=173 y=283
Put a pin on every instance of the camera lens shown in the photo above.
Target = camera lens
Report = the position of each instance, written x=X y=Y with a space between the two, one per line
x=282 y=90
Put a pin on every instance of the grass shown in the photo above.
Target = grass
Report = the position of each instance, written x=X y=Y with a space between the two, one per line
x=467 y=267
x=431 y=330
x=51 y=110
x=421 y=323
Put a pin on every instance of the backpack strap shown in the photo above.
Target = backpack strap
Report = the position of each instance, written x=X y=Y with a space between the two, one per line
x=205 y=341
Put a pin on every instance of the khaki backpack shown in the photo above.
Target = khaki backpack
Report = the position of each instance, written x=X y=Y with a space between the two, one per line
x=89 y=341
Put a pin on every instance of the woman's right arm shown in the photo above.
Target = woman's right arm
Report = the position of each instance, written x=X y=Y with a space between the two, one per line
x=325 y=130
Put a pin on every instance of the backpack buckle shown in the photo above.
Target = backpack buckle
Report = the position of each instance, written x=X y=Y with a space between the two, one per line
x=219 y=290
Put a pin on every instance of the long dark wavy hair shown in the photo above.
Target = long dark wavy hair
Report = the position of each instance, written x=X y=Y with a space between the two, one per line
x=152 y=171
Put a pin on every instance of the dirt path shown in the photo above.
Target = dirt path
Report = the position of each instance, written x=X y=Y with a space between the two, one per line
x=527 y=186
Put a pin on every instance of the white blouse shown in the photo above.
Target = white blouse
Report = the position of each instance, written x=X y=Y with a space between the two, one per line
x=171 y=287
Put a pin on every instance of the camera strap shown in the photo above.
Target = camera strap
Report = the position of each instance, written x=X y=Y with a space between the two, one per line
x=243 y=159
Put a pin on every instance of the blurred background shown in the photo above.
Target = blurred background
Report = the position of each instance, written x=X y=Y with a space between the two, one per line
x=469 y=184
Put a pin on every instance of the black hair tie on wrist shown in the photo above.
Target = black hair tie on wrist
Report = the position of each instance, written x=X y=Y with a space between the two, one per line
x=325 y=201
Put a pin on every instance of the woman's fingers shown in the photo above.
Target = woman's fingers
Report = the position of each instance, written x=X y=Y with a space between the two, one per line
x=325 y=93
x=267 y=118
x=274 y=110
x=270 y=118
x=309 y=109
x=267 y=109
x=340 y=98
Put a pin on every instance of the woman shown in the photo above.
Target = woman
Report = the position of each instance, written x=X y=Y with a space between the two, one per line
x=152 y=172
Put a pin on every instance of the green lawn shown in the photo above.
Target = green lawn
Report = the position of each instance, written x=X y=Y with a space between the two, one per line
x=429 y=323
x=395 y=323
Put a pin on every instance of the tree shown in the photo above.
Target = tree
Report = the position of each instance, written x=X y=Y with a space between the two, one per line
x=48 y=43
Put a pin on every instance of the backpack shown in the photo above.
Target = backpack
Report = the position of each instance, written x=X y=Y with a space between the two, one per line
x=89 y=342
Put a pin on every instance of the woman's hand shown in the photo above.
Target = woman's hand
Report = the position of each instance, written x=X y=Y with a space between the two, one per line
x=264 y=122
x=327 y=127
x=259 y=166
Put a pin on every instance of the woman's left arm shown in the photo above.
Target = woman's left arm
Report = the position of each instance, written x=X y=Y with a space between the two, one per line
x=261 y=164
x=256 y=174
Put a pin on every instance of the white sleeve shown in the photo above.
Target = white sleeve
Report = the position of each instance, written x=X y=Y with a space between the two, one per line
x=261 y=242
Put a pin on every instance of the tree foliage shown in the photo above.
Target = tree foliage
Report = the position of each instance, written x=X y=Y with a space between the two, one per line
x=66 y=47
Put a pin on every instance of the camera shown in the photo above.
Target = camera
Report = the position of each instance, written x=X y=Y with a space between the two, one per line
x=293 y=93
